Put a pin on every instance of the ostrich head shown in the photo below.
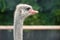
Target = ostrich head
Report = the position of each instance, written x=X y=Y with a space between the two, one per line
x=24 y=10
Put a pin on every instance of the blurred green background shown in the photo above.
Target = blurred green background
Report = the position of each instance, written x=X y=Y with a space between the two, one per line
x=49 y=12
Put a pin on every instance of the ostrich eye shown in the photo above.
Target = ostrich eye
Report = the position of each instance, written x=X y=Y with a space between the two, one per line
x=27 y=8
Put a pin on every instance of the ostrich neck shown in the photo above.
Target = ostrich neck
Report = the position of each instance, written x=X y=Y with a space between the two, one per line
x=18 y=28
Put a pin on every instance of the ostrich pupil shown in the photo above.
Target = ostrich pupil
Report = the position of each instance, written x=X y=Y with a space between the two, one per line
x=27 y=8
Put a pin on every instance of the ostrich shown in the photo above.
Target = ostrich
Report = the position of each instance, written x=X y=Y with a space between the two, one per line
x=22 y=11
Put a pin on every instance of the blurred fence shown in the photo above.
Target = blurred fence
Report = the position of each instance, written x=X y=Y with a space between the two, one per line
x=38 y=32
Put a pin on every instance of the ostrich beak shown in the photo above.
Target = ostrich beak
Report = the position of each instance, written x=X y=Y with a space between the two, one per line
x=33 y=11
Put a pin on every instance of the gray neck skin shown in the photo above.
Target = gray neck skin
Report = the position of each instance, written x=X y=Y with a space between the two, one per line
x=18 y=27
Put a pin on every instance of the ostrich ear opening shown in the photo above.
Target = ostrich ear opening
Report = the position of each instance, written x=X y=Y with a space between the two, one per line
x=20 y=11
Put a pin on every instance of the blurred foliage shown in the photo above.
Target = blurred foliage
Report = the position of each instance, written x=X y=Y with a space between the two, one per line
x=49 y=12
